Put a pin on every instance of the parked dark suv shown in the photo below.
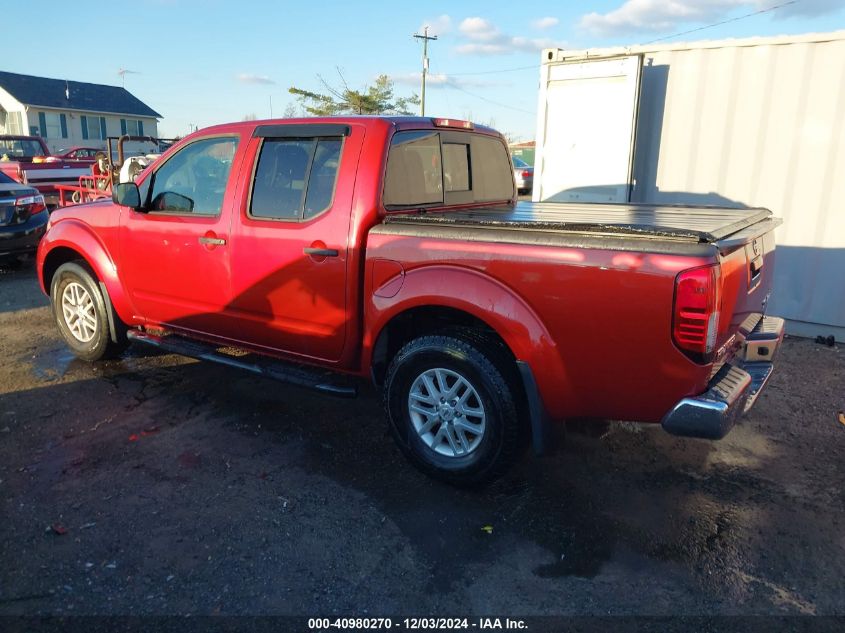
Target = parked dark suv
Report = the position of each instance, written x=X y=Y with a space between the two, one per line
x=23 y=219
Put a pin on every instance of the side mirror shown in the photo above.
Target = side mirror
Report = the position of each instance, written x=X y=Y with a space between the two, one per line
x=126 y=194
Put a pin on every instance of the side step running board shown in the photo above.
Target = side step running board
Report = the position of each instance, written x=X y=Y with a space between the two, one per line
x=291 y=373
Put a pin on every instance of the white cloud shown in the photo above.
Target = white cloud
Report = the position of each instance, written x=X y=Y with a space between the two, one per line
x=484 y=38
x=248 y=78
x=661 y=16
x=440 y=25
x=440 y=80
x=481 y=49
x=479 y=29
x=545 y=23
x=532 y=45
x=655 y=15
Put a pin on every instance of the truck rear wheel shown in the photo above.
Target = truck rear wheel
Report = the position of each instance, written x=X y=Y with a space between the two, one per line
x=451 y=404
x=81 y=314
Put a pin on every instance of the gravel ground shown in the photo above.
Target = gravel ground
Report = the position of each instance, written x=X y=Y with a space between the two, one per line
x=159 y=485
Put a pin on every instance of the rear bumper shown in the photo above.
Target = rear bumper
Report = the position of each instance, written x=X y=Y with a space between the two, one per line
x=733 y=390
x=18 y=239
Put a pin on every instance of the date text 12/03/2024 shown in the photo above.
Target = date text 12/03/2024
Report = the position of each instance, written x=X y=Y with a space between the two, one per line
x=428 y=623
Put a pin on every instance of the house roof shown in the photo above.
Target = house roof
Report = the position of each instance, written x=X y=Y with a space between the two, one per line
x=50 y=93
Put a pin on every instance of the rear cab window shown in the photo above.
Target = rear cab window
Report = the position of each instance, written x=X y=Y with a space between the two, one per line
x=445 y=167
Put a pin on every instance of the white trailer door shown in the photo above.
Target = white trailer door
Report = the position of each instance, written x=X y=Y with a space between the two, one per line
x=586 y=124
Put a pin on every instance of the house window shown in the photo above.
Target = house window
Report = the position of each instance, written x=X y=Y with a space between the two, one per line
x=132 y=127
x=93 y=127
x=52 y=125
x=13 y=123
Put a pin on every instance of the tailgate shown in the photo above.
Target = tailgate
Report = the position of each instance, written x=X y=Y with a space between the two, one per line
x=47 y=174
x=747 y=261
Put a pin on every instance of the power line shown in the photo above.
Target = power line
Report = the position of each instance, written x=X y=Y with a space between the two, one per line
x=493 y=72
x=710 y=26
x=503 y=105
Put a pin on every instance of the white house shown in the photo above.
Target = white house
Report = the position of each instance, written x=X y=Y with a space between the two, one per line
x=67 y=113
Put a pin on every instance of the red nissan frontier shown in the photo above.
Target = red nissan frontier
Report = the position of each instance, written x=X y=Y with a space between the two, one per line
x=316 y=251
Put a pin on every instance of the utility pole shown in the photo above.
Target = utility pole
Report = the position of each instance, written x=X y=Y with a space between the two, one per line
x=425 y=37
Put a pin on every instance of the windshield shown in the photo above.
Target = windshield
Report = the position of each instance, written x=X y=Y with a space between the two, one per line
x=12 y=148
x=5 y=179
x=521 y=164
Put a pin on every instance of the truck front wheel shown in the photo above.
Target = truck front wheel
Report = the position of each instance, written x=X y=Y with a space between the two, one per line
x=80 y=312
x=451 y=404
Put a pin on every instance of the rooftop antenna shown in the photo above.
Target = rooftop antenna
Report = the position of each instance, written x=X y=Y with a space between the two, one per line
x=123 y=72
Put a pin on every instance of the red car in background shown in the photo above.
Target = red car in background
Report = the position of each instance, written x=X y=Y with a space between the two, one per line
x=87 y=155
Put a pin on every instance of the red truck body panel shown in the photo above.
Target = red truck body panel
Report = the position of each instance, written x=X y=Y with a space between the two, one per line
x=582 y=319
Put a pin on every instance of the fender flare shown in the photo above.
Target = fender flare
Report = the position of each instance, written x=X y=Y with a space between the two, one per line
x=76 y=236
x=488 y=300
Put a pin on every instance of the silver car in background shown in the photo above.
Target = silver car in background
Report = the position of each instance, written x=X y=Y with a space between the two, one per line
x=523 y=174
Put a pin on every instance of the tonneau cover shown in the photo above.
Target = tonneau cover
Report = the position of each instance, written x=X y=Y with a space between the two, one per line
x=676 y=222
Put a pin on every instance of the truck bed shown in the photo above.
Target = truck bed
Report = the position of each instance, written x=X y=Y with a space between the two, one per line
x=690 y=224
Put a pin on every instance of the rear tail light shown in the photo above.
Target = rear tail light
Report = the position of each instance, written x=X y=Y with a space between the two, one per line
x=526 y=174
x=695 y=318
x=36 y=203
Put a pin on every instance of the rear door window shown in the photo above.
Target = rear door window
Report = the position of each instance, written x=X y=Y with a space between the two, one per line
x=295 y=178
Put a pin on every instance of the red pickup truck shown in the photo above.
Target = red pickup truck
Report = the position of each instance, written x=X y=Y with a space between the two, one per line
x=27 y=160
x=316 y=251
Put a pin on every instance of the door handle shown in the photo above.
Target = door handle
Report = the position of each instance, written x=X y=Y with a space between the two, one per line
x=321 y=252
x=212 y=241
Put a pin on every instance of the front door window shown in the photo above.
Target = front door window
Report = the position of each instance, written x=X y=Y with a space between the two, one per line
x=194 y=180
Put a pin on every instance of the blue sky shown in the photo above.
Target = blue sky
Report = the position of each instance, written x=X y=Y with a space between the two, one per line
x=201 y=63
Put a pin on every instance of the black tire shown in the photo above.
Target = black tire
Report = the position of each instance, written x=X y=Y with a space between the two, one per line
x=100 y=345
x=486 y=367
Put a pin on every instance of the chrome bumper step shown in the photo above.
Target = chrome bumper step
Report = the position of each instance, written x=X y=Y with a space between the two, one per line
x=733 y=390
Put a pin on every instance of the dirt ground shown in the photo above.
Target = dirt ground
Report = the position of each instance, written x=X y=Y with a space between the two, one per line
x=160 y=485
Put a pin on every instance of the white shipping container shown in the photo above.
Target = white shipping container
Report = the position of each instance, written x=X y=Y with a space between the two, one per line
x=751 y=122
